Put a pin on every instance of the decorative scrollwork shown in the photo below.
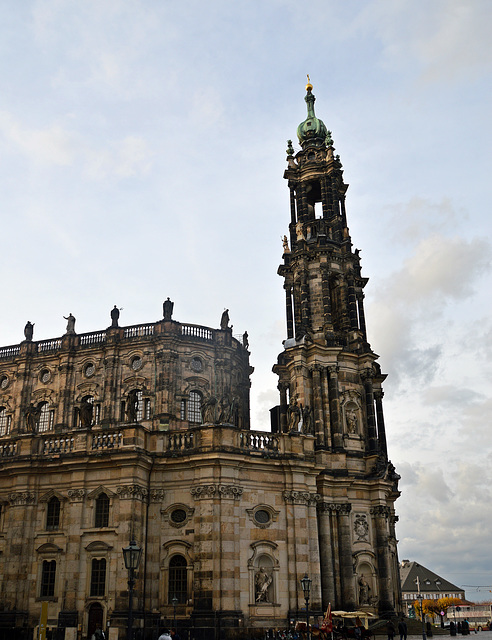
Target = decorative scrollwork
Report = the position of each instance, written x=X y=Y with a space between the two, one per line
x=22 y=498
x=129 y=491
x=301 y=497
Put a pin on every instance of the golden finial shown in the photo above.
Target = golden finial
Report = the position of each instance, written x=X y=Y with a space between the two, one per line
x=309 y=86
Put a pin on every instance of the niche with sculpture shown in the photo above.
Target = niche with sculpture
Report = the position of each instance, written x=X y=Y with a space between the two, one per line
x=263 y=570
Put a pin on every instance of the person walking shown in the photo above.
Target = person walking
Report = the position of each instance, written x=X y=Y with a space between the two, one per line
x=402 y=629
x=390 y=630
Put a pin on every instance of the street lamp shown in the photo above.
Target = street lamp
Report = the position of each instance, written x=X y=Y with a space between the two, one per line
x=306 y=587
x=420 y=598
x=174 y=602
x=131 y=556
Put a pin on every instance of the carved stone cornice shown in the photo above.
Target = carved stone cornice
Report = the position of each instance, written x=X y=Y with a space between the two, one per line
x=301 y=497
x=216 y=491
x=380 y=511
x=132 y=491
x=341 y=508
x=76 y=495
x=22 y=498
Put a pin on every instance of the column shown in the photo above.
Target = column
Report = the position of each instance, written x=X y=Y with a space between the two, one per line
x=381 y=514
x=336 y=432
x=325 y=292
x=346 y=558
x=288 y=309
x=362 y=317
x=352 y=304
x=318 y=417
x=371 y=418
x=326 y=547
x=282 y=387
x=378 y=396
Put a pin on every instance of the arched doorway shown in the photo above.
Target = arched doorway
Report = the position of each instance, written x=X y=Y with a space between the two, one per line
x=95 y=619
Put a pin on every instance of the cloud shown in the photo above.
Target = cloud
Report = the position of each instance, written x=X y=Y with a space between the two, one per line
x=125 y=158
x=51 y=145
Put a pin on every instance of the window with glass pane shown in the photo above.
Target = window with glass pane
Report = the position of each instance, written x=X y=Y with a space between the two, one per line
x=4 y=422
x=53 y=514
x=102 y=511
x=45 y=419
x=177 y=580
x=48 y=579
x=194 y=407
x=139 y=406
x=98 y=577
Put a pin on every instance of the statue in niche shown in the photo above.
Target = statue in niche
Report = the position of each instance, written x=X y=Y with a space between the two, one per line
x=208 y=409
x=364 y=590
x=293 y=414
x=262 y=581
x=28 y=331
x=115 y=314
x=70 y=324
x=32 y=414
x=307 y=420
x=86 y=412
x=352 y=421
x=299 y=231
x=285 y=244
x=132 y=406
x=167 y=309
x=224 y=320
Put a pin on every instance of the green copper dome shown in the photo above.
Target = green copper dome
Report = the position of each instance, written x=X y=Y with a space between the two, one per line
x=311 y=132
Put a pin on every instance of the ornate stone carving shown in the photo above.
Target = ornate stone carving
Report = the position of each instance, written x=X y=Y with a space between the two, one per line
x=301 y=497
x=230 y=491
x=203 y=491
x=380 y=511
x=361 y=527
x=157 y=495
x=76 y=495
x=21 y=498
x=130 y=491
x=335 y=507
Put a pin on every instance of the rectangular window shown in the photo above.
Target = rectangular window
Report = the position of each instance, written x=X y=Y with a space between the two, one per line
x=48 y=579
x=98 y=577
x=102 y=511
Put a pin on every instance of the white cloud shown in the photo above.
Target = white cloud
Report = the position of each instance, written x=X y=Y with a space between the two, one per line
x=52 y=145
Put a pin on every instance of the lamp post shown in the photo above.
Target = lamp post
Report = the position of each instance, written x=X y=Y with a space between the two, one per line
x=420 y=598
x=131 y=556
x=174 y=602
x=306 y=587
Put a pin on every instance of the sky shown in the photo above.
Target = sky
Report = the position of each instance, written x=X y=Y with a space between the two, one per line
x=143 y=150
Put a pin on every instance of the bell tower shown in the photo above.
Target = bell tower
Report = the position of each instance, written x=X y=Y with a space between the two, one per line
x=330 y=383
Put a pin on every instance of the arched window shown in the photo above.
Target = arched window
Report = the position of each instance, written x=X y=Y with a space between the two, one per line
x=53 y=514
x=178 y=580
x=101 y=518
x=191 y=409
x=4 y=422
x=46 y=417
x=48 y=575
x=98 y=577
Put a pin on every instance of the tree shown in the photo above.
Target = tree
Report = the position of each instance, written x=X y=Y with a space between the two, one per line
x=434 y=607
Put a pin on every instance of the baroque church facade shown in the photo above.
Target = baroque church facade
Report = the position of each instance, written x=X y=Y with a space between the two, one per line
x=142 y=433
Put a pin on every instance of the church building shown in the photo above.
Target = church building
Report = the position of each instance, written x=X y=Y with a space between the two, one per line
x=139 y=437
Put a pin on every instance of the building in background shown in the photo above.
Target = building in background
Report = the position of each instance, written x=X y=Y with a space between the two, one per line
x=143 y=433
x=432 y=586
